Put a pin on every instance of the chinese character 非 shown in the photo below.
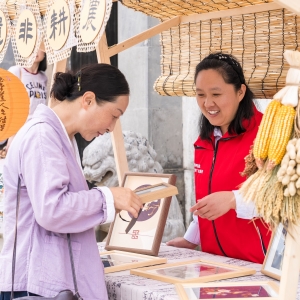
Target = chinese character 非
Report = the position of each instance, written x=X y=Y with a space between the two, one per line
x=58 y=21
x=25 y=28
x=92 y=14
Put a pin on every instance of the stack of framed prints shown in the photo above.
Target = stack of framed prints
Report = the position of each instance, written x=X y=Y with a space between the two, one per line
x=143 y=234
x=115 y=261
x=272 y=265
x=228 y=290
x=192 y=271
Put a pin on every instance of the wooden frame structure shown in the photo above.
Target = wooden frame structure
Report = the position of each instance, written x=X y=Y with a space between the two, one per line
x=291 y=264
x=183 y=266
x=117 y=240
x=145 y=260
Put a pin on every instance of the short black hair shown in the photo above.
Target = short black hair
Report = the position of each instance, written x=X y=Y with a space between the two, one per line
x=232 y=73
x=43 y=64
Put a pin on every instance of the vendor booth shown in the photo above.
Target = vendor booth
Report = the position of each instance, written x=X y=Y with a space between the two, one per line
x=262 y=34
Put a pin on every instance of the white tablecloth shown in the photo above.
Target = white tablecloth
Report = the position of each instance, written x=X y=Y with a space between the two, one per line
x=123 y=286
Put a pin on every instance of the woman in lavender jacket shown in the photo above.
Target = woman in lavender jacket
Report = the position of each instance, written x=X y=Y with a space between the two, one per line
x=55 y=199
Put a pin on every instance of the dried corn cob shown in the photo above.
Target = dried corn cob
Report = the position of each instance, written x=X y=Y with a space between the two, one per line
x=263 y=137
x=283 y=126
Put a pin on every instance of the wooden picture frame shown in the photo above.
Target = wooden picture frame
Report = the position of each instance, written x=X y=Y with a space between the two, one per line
x=272 y=265
x=143 y=235
x=156 y=191
x=197 y=291
x=116 y=261
x=196 y=270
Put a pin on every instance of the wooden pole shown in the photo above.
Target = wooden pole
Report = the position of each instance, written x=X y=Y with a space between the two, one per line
x=145 y=35
x=59 y=66
x=117 y=134
x=291 y=265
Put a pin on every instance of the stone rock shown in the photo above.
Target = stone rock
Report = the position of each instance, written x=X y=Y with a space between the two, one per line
x=100 y=169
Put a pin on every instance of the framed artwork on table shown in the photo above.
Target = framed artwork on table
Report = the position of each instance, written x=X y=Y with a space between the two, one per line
x=116 y=261
x=143 y=234
x=192 y=271
x=272 y=265
x=245 y=290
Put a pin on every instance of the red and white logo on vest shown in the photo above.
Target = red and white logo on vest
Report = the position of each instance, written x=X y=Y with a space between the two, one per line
x=198 y=169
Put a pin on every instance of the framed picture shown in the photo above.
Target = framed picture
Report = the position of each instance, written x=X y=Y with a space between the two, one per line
x=115 y=261
x=143 y=234
x=192 y=271
x=272 y=265
x=228 y=290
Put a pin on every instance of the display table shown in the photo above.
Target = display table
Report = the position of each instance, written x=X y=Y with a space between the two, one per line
x=123 y=286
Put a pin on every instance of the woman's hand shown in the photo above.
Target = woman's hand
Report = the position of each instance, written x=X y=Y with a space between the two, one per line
x=126 y=199
x=181 y=242
x=214 y=205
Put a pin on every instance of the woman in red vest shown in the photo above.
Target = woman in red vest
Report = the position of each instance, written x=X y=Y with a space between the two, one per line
x=223 y=224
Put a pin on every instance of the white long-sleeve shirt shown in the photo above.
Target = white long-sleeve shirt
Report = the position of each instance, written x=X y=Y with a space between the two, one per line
x=243 y=210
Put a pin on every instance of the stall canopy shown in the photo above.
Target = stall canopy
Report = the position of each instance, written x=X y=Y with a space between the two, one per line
x=258 y=36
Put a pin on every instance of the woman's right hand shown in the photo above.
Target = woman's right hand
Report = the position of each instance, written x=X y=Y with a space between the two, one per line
x=126 y=199
x=181 y=242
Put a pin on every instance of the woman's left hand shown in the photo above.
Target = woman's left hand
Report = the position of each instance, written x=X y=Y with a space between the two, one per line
x=214 y=205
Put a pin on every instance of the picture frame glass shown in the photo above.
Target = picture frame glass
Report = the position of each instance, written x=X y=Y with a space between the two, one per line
x=274 y=259
x=230 y=292
x=189 y=271
x=145 y=235
x=117 y=259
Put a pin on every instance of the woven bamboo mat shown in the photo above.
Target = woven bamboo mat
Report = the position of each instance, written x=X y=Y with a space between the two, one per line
x=257 y=40
x=166 y=9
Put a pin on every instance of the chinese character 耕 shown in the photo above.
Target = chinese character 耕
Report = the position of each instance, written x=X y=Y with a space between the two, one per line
x=60 y=20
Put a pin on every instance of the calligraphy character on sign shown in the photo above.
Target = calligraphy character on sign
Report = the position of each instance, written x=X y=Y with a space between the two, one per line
x=92 y=15
x=25 y=29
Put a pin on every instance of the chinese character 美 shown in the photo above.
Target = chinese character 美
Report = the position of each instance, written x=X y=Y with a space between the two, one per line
x=61 y=22
x=92 y=14
x=25 y=27
x=1 y=24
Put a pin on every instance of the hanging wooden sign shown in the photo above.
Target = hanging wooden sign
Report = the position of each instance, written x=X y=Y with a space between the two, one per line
x=26 y=33
x=58 y=24
x=90 y=25
x=3 y=30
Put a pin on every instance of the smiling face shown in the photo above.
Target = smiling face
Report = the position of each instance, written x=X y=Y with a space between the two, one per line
x=97 y=119
x=218 y=100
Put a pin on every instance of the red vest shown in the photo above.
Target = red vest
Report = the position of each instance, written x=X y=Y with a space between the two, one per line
x=217 y=168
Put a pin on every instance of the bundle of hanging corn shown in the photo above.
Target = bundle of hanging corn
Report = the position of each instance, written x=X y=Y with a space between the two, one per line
x=275 y=186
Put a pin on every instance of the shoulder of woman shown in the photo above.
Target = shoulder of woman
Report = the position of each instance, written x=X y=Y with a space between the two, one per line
x=16 y=70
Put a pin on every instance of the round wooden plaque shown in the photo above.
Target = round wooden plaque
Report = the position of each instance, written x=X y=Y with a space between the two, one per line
x=91 y=19
x=58 y=24
x=26 y=33
x=3 y=30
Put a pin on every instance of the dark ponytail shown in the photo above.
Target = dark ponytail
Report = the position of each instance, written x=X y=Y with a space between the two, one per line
x=105 y=81
x=232 y=73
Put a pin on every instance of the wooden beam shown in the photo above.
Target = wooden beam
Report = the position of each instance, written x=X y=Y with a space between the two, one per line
x=117 y=134
x=291 y=5
x=231 y=12
x=291 y=264
x=59 y=66
x=143 y=36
